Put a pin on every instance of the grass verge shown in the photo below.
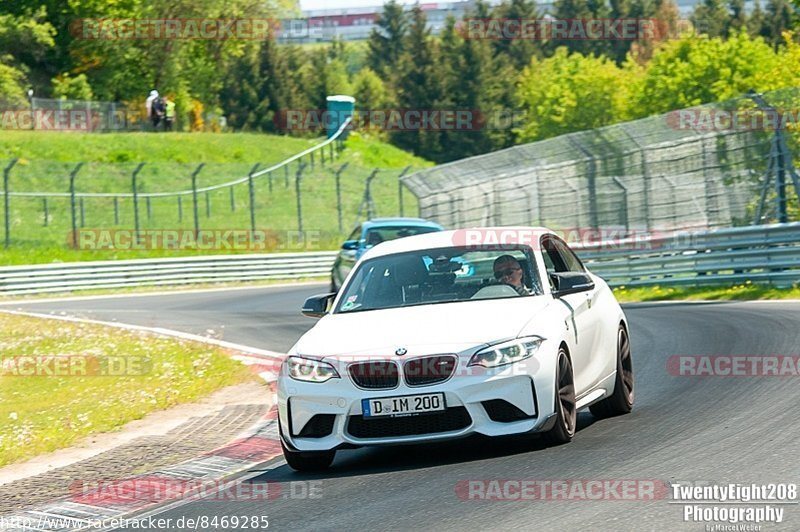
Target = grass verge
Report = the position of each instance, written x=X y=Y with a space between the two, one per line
x=743 y=292
x=41 y=413
x=41 y=231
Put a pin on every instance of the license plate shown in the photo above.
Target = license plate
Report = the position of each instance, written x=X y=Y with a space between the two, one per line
x=405 y=405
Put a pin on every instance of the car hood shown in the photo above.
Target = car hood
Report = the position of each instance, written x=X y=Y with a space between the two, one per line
x=458 y=326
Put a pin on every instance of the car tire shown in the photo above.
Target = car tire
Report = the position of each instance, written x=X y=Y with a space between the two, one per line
x=309 y=460
x=621 y=401
x=565 y=409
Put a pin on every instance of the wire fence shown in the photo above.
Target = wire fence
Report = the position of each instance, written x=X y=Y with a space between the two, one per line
x=712 y=166
x=311 y=198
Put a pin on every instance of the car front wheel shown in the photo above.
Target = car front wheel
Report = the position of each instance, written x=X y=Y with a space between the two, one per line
x=566 y=412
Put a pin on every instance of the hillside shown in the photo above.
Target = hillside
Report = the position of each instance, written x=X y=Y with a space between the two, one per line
x=45 y=161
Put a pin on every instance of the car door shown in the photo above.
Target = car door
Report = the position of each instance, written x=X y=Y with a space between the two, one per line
x=582 y=321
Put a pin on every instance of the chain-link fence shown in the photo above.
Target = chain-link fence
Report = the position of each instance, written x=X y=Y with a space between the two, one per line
x=699 y=168
x=55 y=204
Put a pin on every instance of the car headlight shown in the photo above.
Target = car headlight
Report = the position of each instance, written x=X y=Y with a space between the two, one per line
x=310 y=370
x=507 y=352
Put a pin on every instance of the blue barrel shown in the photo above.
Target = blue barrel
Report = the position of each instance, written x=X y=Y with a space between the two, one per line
x=340 y=108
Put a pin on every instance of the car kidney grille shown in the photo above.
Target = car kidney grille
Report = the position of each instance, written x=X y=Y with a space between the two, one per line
x=429 y=370
x=375 y=375
x=455 y=418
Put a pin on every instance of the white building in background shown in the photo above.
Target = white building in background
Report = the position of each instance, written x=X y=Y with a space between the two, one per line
x=356 y=23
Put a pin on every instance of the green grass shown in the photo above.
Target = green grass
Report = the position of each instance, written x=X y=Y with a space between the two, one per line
x=743 y=292
x=47 y=158
x=39 y=414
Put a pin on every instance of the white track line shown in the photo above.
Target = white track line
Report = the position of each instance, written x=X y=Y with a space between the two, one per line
x=244 y=349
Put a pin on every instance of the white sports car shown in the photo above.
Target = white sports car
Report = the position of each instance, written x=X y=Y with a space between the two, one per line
x=494 y=331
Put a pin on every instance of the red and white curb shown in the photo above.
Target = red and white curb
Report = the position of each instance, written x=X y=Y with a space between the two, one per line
x=193 y=479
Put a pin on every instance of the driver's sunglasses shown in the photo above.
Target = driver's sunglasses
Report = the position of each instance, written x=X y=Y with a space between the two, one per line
x=499 y=274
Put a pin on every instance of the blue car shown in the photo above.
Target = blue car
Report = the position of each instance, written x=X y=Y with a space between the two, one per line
x=372 y=233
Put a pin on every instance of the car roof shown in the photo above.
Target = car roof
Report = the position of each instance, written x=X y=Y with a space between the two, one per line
x=387 y=222
x=458 y=237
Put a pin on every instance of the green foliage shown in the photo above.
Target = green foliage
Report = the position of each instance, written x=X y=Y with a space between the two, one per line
x=12 y=84
x=569 y=92
x=517 y=51
x=780 y=17
x=24 y=42
x=711 y=18
x=419 y=85
x=695 y=70
x=369 y=90
x=386 y=43
x=561 y=86
x=72 y=88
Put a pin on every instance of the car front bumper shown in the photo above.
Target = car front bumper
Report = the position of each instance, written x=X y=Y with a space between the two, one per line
x=476 y=404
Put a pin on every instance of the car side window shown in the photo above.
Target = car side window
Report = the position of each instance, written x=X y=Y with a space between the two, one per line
x=548 y=260
x=356 y=234
x=563 y=258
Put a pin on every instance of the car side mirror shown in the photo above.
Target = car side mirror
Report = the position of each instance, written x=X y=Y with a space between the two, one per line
x=571 y=283
x=317 y=306
x=350 y=245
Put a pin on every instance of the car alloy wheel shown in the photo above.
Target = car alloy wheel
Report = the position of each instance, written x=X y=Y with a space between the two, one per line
x=566 y=411
x=621 y=401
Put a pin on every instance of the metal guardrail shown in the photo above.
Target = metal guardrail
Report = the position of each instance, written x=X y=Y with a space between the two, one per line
x=760 y=254
x=67 y=277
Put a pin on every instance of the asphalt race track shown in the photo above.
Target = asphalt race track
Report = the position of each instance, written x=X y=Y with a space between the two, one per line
x=683 y=429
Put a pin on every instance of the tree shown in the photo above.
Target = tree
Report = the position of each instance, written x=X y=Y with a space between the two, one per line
x=25 y=41
x=711 y=18
x=239 y=94
x=780 y=16
x=755 y=24
x=369 y=90
x=72 y=88
x=696 y=69
x=517 y=49
x=386 y=42
x=569 y=92
x=668 y=26
x=419 y=84
x=738 y=18
x=12 y=84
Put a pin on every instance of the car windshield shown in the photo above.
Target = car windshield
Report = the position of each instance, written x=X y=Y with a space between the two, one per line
x=441 y=275
x=376 y=235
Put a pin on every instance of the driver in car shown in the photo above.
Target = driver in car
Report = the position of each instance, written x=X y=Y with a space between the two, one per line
x=508 y=270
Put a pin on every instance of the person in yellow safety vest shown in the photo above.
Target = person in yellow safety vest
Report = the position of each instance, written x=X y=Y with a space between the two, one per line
x=169 y=115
